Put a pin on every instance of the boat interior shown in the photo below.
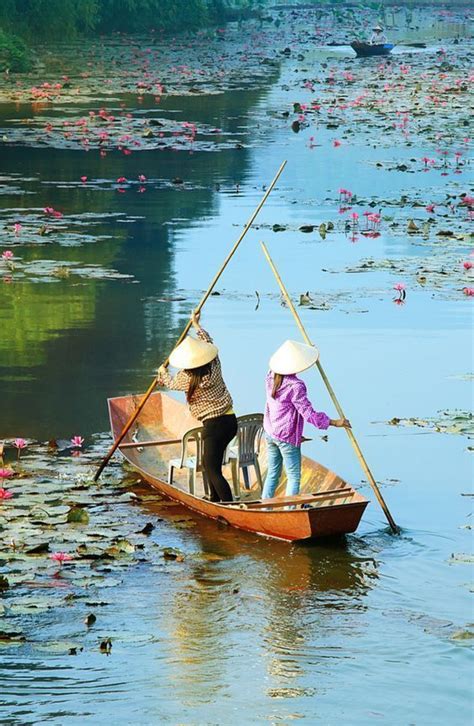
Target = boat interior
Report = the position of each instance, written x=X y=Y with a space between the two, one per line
x=168 y=421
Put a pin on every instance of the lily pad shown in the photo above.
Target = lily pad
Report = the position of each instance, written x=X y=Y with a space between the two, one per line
x=78 y=515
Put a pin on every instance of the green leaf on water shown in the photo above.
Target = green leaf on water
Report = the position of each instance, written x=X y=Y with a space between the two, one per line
x=8 y=635
x=38 y=549
x=120 y=547
x=78 y=515
x=169 y=553
x=56 y=646
x=463 y=635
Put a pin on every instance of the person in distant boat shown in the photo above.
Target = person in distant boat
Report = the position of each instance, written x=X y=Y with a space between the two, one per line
x=287 y=408
x=208 y=399
x=378 y=36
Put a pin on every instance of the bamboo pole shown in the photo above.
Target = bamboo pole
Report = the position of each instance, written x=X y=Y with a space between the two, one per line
x=187 y=327
x=335 y=401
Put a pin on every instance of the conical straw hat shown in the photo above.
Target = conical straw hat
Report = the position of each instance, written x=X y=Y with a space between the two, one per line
x=192 y=353
x=377 y=27
x=293 y=357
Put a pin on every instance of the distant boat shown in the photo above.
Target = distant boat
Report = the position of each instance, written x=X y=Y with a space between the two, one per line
x=327 y=505
x=365 y=50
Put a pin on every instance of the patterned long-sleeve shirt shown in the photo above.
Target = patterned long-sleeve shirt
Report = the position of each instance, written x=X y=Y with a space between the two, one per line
x=211 y=398
x=286 y=413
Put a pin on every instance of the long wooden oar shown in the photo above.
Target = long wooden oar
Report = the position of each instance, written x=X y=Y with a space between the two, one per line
x=154 y=383
x=349 y=432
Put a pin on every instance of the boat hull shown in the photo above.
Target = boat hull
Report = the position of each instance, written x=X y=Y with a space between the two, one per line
x=291 y=526
x=366 y=50
x=337 y=517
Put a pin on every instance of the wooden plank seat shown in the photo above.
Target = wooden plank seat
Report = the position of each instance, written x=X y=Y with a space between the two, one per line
x=297 y=499
x=141 y=444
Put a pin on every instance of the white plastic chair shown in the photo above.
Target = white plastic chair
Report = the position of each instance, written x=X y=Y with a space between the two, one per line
x=192 y=463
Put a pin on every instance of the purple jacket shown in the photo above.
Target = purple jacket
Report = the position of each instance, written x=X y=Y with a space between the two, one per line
x=286 y=413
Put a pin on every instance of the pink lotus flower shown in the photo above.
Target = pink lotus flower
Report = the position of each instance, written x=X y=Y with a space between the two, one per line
x=469 y=291
x=399 y=286
x=60 y=557
x=467 y=265
x=16 y=228
x=121 y=180
x=430 y=208
x=83 y=179
x=19 y=444
x=6 y=473
x=7 y=255
x=5 y=494
x=51 y=212
x=142 y=178
x=336 y=143
x=77 y=441
x=345 y=195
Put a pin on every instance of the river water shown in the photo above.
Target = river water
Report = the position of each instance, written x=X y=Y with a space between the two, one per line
x=374 y=628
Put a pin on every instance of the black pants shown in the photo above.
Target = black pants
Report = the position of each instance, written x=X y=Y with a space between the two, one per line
x=218 y=432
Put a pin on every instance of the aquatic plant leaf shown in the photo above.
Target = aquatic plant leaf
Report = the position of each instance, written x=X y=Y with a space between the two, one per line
x=56 y=646
x=78 y=515
x=9 y=635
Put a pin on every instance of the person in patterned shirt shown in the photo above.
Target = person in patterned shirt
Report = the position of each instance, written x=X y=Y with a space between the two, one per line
x=287 y=408
x=378 y=36
x=208 y=399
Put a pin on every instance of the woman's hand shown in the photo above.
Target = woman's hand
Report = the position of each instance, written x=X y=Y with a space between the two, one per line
x=341 y=423
x=161 y=371
x=195 y=317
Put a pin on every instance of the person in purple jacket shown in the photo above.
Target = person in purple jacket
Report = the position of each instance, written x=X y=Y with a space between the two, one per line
x=286 y=410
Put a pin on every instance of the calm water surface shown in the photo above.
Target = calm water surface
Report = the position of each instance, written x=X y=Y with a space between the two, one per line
x=357 y=631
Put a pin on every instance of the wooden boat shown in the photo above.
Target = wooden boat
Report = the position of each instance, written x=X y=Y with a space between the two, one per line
x=365 y=50
x=326 y=506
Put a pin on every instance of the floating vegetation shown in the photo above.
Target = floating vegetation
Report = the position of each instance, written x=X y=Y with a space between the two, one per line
x=56 y=270
x=447 y=422
x=436 y=626
x=64 y=539
x=32 y=227
x=436 y=272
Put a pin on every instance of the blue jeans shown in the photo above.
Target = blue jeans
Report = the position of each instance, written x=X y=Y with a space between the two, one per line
x=279 y=453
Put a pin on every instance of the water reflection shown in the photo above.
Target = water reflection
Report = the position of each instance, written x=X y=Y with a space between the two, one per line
x=301 y=596
x=94 y=338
